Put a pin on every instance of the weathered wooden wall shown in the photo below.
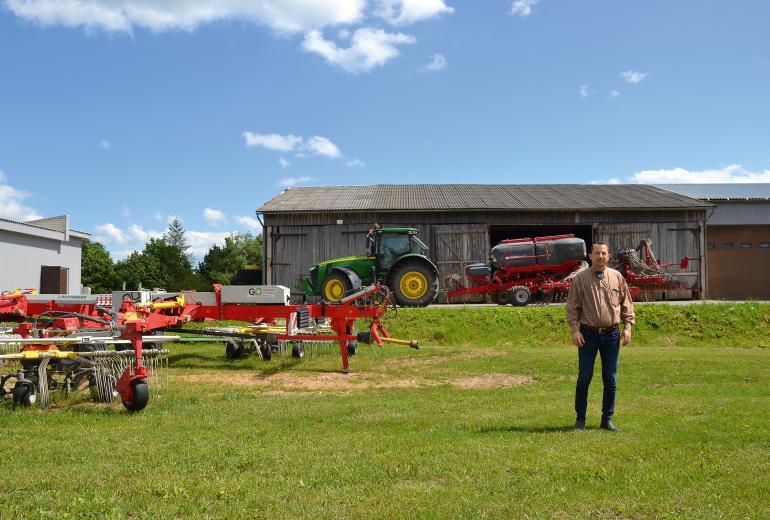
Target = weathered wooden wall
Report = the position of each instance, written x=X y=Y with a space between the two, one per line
x=295 y=242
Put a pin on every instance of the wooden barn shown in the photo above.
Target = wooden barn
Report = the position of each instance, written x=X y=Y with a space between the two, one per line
x=462 y=222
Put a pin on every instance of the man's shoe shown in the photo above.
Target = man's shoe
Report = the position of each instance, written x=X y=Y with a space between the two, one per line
x=607 y=425
x=580 y=425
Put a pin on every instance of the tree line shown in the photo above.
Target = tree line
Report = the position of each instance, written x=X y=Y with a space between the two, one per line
x=167 y=263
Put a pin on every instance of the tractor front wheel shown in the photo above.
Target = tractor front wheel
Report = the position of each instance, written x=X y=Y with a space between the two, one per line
x=338 y=283
x=414 y=284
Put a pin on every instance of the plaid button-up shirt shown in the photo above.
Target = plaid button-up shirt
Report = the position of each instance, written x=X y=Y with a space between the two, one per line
x=599 y=301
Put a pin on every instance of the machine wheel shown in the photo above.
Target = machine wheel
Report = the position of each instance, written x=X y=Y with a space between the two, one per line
x=352 y=347
x=233 y=349
x=139 y=396
x=266 y=352
x=24 y=393
x=501 y=298
x=519 y=296
x=338 y=283
x=298 y=350
x=414 y=284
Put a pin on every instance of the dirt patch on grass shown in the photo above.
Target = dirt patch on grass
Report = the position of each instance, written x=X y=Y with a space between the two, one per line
x=282 y=383
x=487 y=381
x=423 y=361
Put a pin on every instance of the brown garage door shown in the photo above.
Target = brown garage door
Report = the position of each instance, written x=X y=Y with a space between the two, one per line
x=738 y=259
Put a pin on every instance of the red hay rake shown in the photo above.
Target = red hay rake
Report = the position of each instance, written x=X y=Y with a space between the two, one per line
x=62 y=341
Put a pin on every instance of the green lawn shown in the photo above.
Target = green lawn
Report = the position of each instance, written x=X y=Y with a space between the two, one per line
x=476 y=430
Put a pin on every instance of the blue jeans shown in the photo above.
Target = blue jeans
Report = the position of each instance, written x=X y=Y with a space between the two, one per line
x=608 y=347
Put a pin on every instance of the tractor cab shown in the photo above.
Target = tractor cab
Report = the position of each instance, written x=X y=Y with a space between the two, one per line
x=388 y=245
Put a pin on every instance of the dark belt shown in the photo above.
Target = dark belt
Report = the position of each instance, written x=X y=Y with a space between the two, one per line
x=600 y=330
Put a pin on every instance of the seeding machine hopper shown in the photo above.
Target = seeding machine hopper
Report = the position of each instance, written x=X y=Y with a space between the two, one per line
x=524 y=269
x=61 y=342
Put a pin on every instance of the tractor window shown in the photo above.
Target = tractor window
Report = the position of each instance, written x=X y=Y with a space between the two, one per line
x=418 y=246
x=393 y=247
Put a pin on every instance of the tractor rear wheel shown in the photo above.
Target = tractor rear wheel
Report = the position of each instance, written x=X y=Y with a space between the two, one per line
x=414 y=284
x=519 y=296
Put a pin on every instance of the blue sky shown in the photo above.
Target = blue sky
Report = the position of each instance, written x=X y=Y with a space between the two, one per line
x=124 y=113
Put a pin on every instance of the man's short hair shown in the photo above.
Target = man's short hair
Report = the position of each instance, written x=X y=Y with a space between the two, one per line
x=600 y=243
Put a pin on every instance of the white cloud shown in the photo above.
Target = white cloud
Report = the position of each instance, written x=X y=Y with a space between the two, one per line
x=138 y=233
x=437 y=63
x=201 y=241
x=157 y=215
x=355 y=163
x=633 y=77
x=11 y=203
x=110 y=234
x=404 y=12
x=316 y=145
x=281 y=143
x=249 y=223
x=523 y=7
x=125 y=15
x=293 y=181
x=105 y=144
x=323 y=146
x=614 y=94
x=583 y=91
x=733 y=173
x=214 y=217
x=369 y=48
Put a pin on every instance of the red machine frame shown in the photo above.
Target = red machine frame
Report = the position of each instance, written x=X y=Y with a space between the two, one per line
x=536 y=278
x=134 y=319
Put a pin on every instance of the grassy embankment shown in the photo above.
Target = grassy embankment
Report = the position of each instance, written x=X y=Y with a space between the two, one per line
x=474 y=424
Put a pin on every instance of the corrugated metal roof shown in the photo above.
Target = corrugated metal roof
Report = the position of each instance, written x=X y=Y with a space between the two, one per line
x=725 y=191
x=52 y=224
x=494 y=197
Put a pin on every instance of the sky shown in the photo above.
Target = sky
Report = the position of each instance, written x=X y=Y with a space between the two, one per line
x=125 y=114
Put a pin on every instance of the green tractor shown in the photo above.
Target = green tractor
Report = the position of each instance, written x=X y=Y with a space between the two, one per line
x=396 y=258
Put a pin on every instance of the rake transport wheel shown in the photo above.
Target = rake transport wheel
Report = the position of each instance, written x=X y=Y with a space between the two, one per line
x=24 y=393
x=352 y=347
x=140 y=394
x=298 y=350
x=233 y=349
x=414 y=284
x=266 y=352
x=519 y=296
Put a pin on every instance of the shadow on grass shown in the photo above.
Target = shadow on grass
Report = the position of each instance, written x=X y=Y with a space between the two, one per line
x=527 y=429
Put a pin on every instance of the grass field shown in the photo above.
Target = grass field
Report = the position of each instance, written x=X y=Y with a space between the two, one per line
x=474 y=424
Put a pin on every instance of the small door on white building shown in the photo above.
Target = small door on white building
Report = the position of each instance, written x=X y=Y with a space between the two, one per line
x=53 y=279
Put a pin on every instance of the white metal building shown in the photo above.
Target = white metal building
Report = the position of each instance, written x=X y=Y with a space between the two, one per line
x=40 y=254
x=737 y=238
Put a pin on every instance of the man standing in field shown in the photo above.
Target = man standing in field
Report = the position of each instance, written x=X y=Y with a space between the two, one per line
x=598 y=302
